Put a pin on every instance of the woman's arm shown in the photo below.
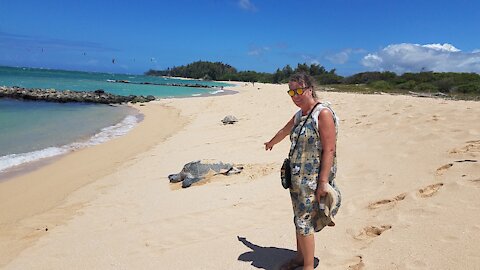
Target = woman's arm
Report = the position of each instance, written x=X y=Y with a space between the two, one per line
x=281 y=134
x=326 y=128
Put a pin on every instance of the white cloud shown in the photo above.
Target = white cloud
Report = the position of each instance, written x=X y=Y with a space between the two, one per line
x=8 y=40
x=407 y=57
x=258 y=51
x=310 y=59
x=247 y=5
x=372 y=60
x=442 y=47
x=343 y=56
x=338 y=58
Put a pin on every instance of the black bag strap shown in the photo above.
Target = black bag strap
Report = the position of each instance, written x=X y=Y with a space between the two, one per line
x=303 y=124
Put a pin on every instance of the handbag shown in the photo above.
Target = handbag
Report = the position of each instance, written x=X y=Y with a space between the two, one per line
x=286 y=170
x=286 y=174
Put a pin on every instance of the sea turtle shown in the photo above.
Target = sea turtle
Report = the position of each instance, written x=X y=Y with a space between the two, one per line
x=198 y=170
x=229 y=119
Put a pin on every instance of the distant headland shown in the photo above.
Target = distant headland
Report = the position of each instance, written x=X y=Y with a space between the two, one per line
x=444 y=84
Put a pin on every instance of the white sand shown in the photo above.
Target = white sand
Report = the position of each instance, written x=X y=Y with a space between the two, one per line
x=389 y=148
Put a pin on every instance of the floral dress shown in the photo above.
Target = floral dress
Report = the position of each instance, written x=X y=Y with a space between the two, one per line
x=305 y=164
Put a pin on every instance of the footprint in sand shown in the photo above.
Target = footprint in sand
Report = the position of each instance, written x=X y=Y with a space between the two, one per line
x=254 y=171
x=387 y=202
x=466 y=160
x=371 y=232
x=475 y=181
x=357 y=266
x=442 y=169
x=430 y=190
x=471 y=146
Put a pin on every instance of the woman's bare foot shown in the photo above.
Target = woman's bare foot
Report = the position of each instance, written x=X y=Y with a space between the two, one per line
x=292 y=264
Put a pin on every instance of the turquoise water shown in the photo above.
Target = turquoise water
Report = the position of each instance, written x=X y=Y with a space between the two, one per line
x=34 y=130
x=30 y=125
x=89 y=81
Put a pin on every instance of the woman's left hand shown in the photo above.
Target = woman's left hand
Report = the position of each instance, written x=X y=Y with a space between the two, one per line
x=321 y=190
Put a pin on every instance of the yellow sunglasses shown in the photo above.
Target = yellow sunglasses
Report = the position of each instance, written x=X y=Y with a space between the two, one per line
x=298 y=91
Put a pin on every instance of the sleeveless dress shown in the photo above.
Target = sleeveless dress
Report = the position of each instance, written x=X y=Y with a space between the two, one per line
x=305 y=167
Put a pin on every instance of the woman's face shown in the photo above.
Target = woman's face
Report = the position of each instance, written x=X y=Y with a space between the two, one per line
x=300 y=99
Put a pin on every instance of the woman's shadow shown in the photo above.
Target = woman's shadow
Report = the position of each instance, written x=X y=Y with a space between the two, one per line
x=268 y=258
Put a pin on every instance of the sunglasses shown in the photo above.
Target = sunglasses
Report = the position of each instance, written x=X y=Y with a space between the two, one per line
x=298 y=91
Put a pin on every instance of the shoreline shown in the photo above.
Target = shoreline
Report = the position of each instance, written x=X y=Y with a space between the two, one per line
x=130 y=216
x=30 y=166
x=18 y=209
x=136 y=142
x=36 y=192
x=38 y=158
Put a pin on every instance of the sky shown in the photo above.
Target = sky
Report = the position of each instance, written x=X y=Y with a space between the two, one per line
x=349 y=36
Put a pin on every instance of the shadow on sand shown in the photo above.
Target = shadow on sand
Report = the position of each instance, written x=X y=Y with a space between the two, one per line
x=268 y=258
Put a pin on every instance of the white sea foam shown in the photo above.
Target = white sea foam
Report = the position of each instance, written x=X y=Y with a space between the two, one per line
x=216 y=92
x=13 y=160
x=104 y=135
x=196 y=95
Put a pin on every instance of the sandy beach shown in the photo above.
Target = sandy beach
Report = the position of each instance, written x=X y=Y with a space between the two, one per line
x=408 y=169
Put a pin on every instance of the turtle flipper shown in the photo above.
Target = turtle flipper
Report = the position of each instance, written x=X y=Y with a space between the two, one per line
x=188 y=181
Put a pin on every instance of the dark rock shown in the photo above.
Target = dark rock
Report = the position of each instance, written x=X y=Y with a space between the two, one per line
x=97 y=96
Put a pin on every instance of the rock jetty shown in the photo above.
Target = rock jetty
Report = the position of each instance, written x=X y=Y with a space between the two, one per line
x=97 y=96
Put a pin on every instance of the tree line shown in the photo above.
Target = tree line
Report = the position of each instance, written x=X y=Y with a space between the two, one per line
x=219 y=71
x=445 y=82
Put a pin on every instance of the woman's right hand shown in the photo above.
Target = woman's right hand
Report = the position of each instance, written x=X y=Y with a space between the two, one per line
x=281 y=134
x=269 y=145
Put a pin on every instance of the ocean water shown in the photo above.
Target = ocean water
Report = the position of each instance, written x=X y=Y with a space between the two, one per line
x=31 y=131
x=90 y=81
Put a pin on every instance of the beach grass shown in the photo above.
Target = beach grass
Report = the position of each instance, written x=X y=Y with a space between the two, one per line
x=367 y=89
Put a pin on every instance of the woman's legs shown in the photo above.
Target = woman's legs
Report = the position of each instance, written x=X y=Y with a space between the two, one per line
x=295 y=262
x=306 y=248
x=299 y=256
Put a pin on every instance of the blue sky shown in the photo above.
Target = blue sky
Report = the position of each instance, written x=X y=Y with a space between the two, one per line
x=351 y=36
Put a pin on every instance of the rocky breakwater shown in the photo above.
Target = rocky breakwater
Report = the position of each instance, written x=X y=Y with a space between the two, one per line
x=97 y=96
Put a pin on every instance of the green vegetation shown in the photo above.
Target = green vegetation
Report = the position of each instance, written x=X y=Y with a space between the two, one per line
x=197 y=70
x=457 y=85
x=218 y=71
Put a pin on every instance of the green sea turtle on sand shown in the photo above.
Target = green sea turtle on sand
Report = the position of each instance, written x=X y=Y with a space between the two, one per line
x=229 y=119
x=199 y=170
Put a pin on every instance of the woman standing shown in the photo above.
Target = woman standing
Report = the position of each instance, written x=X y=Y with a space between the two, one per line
x=313 y=133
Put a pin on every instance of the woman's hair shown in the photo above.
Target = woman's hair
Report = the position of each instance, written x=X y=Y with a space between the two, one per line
x=304 y=79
